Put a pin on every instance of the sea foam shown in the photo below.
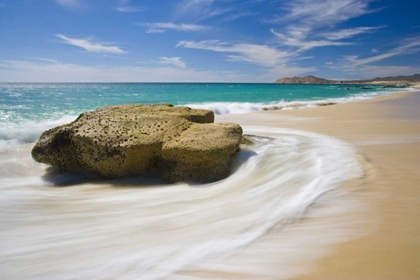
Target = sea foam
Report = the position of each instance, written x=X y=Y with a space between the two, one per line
x=14 y=135
x=226 y=108
x=131 y=229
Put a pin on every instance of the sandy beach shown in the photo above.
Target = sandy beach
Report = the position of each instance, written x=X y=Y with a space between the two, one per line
x=386 y=132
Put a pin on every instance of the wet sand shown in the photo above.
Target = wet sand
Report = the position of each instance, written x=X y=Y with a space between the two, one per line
x=386 y=131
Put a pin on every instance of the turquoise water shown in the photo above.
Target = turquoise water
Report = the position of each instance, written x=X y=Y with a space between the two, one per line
x=28 y=109
x=43 y=101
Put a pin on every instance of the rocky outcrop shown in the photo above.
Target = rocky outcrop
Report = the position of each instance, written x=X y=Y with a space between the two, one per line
x=304 y=80
x=174 y=143
x=397 y=81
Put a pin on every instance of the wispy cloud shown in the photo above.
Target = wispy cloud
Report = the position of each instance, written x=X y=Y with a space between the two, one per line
x=406 y=46
x=160 y=27
x=302 y=44
x=237 y=15
x=125 y=7
x=198 y=10
x=45 y=59
x=320 y=13
x=304 y=57
x=225 y=11
x=175 y=61
x=351 y=32
x=128 y=9
x=354 y=64
x=69 y=3
x=301 y=26
x=258 y=54
x=91 y=46
x=194 y=6
x=311 y=24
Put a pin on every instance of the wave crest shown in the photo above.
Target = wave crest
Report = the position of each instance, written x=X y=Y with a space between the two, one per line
x=15 y=135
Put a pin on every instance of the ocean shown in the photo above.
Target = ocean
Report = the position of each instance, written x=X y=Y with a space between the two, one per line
x=63 y=226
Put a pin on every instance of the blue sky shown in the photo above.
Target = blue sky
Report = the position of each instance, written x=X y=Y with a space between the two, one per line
x=206 y=40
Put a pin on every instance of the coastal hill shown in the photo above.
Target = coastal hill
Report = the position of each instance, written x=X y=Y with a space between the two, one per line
x=413 y=79
x=305 y=80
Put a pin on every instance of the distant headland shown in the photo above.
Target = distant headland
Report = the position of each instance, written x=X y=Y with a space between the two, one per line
x=397 y=80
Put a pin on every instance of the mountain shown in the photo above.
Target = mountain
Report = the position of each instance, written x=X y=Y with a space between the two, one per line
x=413 y=79
x=305 y=80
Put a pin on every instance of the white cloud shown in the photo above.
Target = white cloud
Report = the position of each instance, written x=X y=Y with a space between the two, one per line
x=154 y=31
x=407 y=46
x=198 y=10
x=225 y=11
x=310 y=24
x=258 y=54
x=45 y=59
x=351 y=57
x=367 y=60
x=29 y=71
x=69 y=3
x=273 y=59
x=304 y=45
x=351 y=32
x=175 y=61
x=304 y=57
x=91 y=46
x=188 y=6
x=375 y=51
x=353 y=64
x=129 y=9
x=160 y=27
x=316 y=13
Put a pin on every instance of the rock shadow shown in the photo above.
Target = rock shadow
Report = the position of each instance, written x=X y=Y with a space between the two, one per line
x=62 y=179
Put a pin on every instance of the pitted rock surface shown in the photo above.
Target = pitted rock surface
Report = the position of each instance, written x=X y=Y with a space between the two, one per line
x=174 y=143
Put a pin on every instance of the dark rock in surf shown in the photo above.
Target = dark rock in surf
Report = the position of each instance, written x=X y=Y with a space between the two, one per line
x=174 y=143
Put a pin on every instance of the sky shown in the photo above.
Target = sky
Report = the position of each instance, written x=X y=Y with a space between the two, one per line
x=206 y=40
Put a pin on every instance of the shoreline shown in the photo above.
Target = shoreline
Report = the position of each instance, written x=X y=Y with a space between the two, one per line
x=386 y=132
x=366 y=230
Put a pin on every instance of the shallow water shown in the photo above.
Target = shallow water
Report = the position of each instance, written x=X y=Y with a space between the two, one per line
x=58 y=226
x=26 y=110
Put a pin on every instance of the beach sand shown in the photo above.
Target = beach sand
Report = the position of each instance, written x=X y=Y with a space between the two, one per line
x=386 y=132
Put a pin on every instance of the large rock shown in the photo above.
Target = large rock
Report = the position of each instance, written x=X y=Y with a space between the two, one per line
x=174 y=143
